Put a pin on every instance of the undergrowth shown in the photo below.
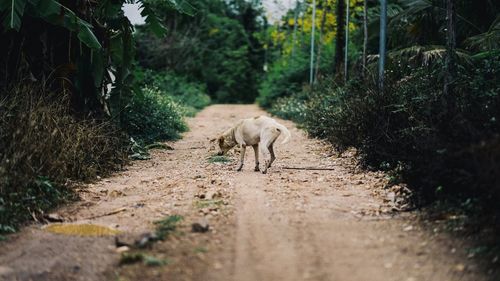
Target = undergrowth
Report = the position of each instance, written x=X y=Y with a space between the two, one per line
x=167 y=226
x=43 y=147
x=440 y=147
x=132 y=258
x=153 y=116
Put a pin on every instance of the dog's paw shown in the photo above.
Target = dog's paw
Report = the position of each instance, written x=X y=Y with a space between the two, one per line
x=239 y=169
x=256 y=169
x=264 y=171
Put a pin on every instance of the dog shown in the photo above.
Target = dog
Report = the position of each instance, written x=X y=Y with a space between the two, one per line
x=258 y=132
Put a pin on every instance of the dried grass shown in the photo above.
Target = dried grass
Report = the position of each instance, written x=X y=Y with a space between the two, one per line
x=41 y=139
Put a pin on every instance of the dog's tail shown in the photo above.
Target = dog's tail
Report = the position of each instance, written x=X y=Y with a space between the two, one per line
x=284 y=130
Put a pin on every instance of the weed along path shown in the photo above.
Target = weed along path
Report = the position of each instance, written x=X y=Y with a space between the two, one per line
x=331 y=224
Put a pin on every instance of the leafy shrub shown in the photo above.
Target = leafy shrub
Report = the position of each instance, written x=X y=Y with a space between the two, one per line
x=291 y=107
x=288 y=74
x=42 y=146
x=190 y=94
x=284 y=78
x=218 y=47
x=409 y=126
x=153 y=116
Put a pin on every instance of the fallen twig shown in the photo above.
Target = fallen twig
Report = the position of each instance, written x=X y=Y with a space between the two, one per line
x=192 y=147
x=309 y=168
x=116 y=211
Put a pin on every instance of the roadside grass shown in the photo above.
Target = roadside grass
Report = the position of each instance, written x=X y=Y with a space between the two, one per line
x=132 y=258
x=200 y=250
x=200 y=204
x=219 y=159
x=167 y=226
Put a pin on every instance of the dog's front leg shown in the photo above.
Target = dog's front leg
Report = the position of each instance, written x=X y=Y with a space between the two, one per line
x=242 y=157
x=256 y=151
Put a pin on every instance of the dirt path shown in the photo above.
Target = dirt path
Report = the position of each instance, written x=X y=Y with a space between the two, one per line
x=286 y=225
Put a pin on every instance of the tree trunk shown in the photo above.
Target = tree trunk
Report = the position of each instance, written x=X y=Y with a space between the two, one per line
x=383 y=40
x=450 y=65
x=339 y=40
x=365 y=37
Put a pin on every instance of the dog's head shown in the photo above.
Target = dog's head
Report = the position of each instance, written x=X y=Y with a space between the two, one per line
x=223 y=146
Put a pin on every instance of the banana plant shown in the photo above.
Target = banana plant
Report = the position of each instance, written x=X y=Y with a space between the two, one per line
x=50 y=11
x=103 y=36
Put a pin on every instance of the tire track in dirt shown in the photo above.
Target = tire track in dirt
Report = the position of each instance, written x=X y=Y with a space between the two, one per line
x=260 y=239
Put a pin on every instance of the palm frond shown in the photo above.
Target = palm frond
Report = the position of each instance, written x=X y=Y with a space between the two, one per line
x=487 y=41
x=426 y=55
x=423 y=55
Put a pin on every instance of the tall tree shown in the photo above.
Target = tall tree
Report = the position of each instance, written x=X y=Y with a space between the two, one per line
x=339 y=41
x=382 y=43
x=450 y=67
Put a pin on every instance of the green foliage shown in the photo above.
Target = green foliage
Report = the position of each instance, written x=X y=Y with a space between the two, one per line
x=153 y=116
x=218 y=159
x=131 y=258
x=151 y=20
x=407 y=128
x=50 y=11
x=156 y=111
x=191 y=95
x=13 y=12
x=283 y=79
x=217 y=48
x=441 y=144
x=36 y=197
x=291 y=107
x=94 y=57
x=287 y=75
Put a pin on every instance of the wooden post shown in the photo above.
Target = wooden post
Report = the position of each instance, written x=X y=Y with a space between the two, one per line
x=311 y=73
x=346 y=49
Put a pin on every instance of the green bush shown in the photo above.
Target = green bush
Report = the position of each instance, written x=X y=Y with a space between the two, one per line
x=153 y=116
x=284 y=78
x=410 y=127
x=219 y=47
x=190 y=94
x=291 y=107
x=288 y=74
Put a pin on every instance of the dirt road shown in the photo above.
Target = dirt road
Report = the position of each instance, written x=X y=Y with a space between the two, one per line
x=285 y=225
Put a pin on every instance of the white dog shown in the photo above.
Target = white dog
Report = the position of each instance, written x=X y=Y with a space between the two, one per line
x=258 y=132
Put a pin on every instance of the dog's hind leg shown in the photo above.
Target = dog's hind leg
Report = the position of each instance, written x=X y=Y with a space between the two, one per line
x=242 y=157
x=271 y=150
x=268 y=137
x=256 y=151
x=265 y=151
